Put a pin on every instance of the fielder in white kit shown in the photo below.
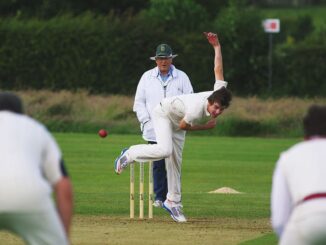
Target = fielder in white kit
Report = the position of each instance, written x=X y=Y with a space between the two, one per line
x=171 y=119
x=298 y=204
x=31 y=166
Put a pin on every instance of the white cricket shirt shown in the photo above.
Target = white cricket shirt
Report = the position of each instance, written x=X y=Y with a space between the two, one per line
x=29 y=164
x=189 y=107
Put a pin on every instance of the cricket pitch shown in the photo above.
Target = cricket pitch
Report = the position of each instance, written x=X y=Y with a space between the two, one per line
x=160 y=230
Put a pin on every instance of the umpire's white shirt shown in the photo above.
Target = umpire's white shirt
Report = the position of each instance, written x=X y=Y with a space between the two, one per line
x=29 y=164
x=151 y=90
x=300 y=171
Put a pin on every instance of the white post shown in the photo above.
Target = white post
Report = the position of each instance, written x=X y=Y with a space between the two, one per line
x=150 y=190
x=132 y=191
x=141 y=190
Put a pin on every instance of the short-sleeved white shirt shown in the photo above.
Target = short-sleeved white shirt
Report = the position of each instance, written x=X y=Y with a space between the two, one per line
x=29 y=164
x=189 y=107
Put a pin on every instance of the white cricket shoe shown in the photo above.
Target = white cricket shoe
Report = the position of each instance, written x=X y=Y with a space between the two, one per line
x=158 y=204
x=175 y=210
x=121 y=162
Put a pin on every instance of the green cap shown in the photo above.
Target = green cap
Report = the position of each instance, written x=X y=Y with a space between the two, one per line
x=163 y=51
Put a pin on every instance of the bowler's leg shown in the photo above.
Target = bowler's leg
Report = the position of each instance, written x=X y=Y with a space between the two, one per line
x=163 y=148
x=145 y=153
x=173 y=167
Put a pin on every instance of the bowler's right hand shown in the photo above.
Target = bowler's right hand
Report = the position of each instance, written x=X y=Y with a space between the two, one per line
x=212 y=38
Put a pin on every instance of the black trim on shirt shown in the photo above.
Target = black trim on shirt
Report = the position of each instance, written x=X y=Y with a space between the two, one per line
x=63 y=168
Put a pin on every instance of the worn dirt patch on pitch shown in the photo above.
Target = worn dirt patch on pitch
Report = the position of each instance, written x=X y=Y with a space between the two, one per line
x=10 y=239
x=161 y=230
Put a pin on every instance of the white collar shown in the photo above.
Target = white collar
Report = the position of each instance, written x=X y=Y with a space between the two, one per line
x=206 y=106
x=156 y=72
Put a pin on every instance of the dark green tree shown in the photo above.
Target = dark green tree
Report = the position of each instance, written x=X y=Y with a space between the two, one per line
x=244 y=48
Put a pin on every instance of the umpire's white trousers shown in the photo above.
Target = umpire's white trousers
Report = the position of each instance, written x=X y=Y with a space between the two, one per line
x=170 y=142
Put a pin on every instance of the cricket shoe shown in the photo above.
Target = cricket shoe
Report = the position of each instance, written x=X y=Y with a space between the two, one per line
x=121 y=162
x=158 y=204
x=175 y=210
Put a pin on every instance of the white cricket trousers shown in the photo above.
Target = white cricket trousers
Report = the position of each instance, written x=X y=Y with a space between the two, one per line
x=170 y=141
x=307 y=224
x=35 y=228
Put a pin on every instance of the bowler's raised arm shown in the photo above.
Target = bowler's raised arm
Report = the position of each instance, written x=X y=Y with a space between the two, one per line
x=218 y=64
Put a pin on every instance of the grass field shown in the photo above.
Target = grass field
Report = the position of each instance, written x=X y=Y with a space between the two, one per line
x=102 y=197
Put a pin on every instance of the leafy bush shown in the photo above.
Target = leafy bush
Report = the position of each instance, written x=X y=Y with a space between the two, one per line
x=46 y=9
x=176 y=15
x=244 y=47
x=300 y=71
x=109 y=53
x=294 y=29
x=89 y=52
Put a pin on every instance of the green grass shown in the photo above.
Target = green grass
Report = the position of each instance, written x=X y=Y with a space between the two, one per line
x=245 y=164
x=269 y=239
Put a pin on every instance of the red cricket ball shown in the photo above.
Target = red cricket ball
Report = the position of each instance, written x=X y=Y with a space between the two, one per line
x=102 y=133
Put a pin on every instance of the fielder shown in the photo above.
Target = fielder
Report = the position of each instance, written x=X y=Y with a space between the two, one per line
x=31 y=166
x=171 y=119
x=163 y=81
x=298 y=202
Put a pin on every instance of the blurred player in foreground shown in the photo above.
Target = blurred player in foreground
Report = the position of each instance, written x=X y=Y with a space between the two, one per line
x=31 y=166
x=299 y=186
x=172 y=118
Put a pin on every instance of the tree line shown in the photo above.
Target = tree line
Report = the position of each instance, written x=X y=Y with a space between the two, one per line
x=105 y=50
